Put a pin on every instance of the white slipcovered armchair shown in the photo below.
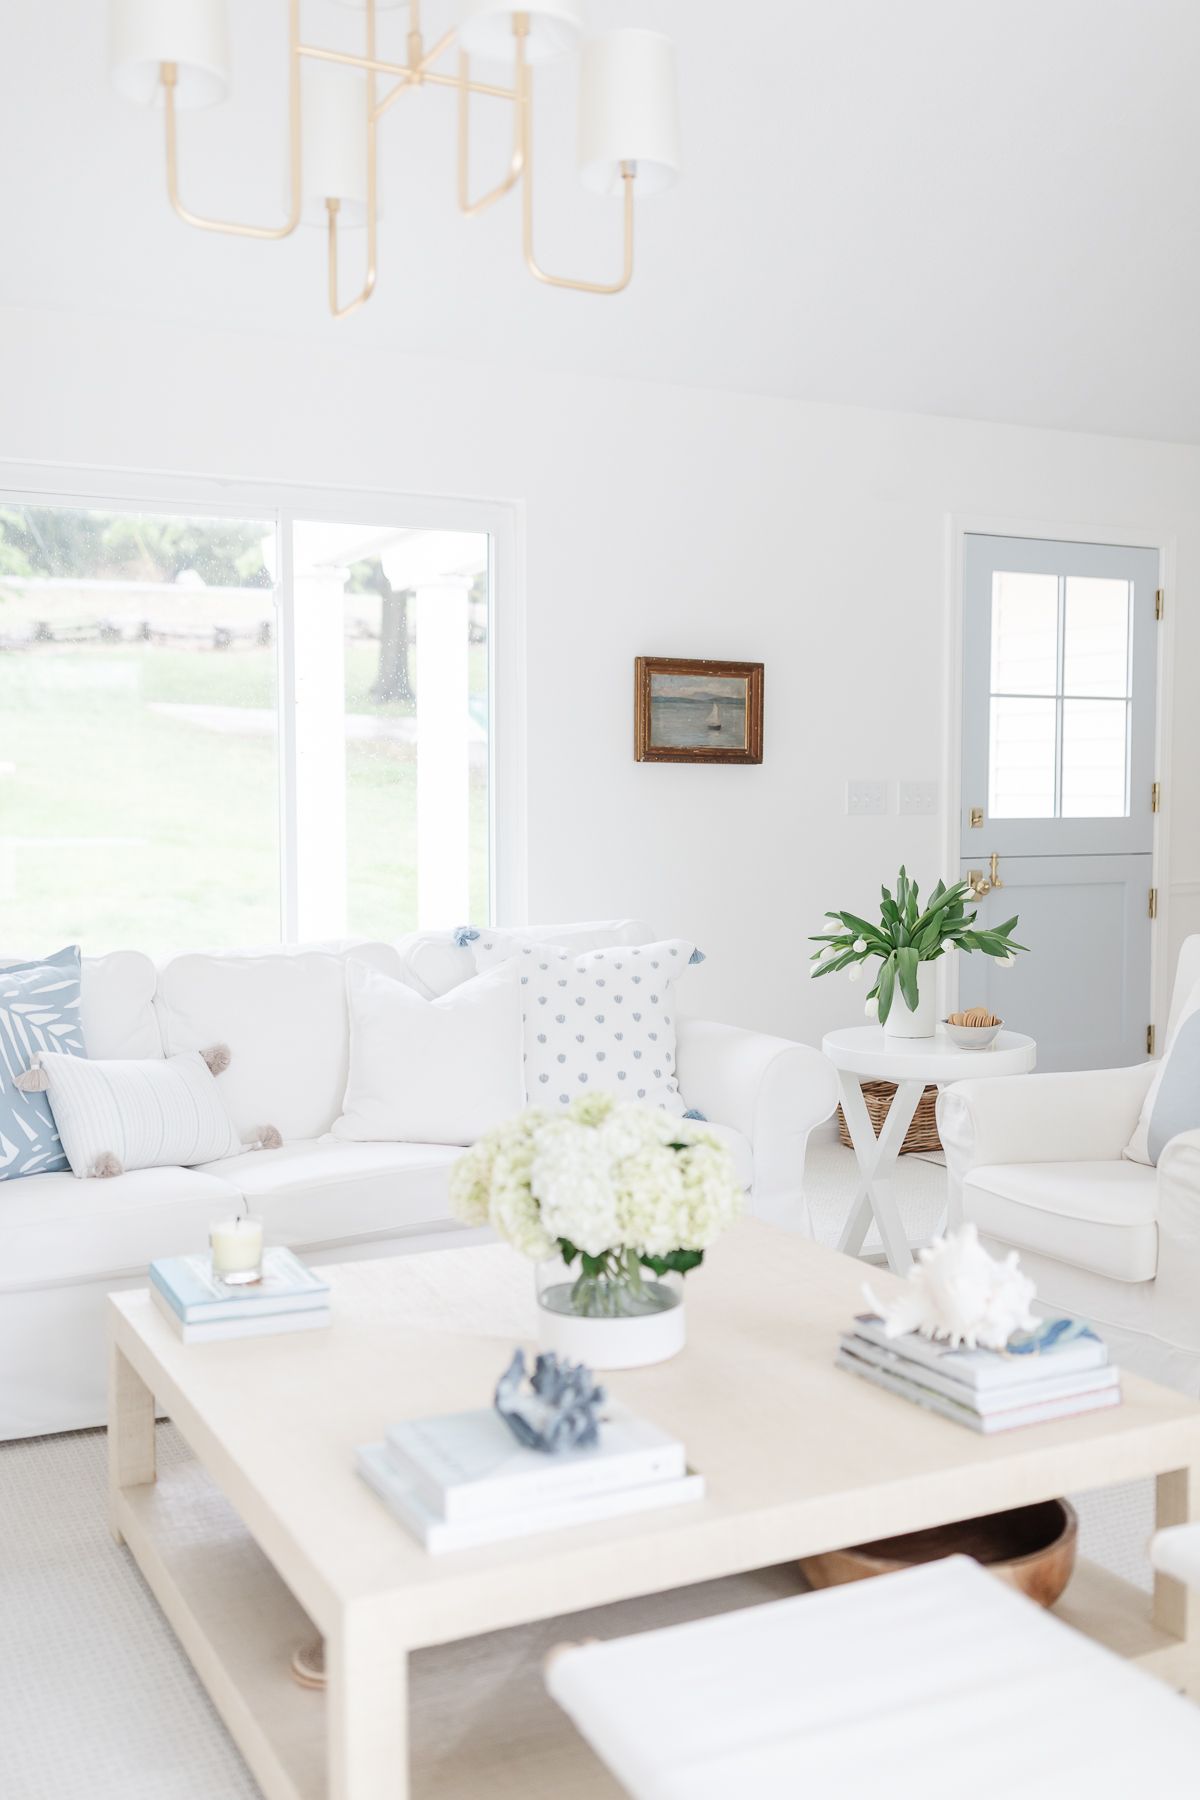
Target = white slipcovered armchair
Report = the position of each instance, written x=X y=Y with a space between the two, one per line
x=1035 y=1161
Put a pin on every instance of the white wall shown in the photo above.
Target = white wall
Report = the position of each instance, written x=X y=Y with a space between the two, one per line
x=659 y=521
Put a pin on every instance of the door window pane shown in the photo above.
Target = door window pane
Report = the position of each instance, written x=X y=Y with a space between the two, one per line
x=1022 y=758
x=1094 y=759
x=138 y=770
x=1096 y=639
x=391 y=644
x=1024 y=633
x=1059 y=747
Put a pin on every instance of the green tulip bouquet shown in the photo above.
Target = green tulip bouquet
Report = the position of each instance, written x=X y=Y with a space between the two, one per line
x=906 y=936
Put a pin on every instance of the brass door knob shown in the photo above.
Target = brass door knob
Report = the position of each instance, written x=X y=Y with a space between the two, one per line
x=978 y=883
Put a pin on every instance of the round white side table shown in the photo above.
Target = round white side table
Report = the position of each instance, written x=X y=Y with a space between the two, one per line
x=863 y=1053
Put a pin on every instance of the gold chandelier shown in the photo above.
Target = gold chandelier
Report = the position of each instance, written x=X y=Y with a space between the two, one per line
x=175 y=53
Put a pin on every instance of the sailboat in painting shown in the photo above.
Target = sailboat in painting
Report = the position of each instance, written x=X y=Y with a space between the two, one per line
x=714 y=718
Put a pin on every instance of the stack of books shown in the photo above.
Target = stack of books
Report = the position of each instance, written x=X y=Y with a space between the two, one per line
x=462 y=1479
x=202 y=1308
x=989 y=1390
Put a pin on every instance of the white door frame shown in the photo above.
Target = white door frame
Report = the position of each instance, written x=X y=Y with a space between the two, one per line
x=504 y=521
x=958 y=526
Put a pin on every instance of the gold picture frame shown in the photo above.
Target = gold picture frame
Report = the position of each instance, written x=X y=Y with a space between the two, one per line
x=690 y=710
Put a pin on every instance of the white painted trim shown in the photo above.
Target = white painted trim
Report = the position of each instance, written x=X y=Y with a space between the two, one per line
x=281 y=504
x=957 y=527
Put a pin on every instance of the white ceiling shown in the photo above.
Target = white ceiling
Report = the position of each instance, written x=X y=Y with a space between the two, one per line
x=977 y=207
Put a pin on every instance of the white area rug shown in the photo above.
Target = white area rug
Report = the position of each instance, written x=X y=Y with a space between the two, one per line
x=97 y=1701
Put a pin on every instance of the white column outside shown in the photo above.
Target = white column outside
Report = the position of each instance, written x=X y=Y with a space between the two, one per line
x=443 y=791
x=320 y=734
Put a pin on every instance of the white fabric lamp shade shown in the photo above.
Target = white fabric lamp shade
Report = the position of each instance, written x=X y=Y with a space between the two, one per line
x=628 y=111
x=486 y=31
x=334 y=110
x=192 y=34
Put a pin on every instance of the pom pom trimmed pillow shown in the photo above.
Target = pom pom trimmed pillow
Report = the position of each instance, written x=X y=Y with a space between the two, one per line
x=600 y=1022
x=39 y=1010
x=114 y=1116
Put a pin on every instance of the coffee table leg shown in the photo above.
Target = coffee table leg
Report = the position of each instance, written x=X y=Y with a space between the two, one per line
x=1176 y=1606
x=130 y=1431
x=367 y=1701
x=876 y=1157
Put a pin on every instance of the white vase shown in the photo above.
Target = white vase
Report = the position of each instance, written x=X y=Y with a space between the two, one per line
x=650 y=1331
x=902 y=1022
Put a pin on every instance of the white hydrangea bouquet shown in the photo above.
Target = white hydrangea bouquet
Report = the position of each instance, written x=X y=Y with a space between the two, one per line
x=616 y=1189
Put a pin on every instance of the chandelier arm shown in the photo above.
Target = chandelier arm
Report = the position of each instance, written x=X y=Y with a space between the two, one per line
x=393 y=94
x=374 y=63
x=169 y=76
x=628 y=176
x=472 y=208
x=333 y=206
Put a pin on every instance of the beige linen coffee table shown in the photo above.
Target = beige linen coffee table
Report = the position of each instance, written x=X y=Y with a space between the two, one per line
x=268 y=1528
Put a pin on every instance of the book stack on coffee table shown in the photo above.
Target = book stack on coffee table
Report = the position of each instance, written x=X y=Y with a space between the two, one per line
x=463 y=1479
x=202 y=1308
x=987 y=1390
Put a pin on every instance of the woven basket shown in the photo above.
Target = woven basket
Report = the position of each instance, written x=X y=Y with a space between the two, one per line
x=922 y=1134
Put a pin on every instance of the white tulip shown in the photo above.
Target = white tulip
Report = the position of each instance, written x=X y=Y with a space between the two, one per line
x=857 y=972
x=872 y=1007
x=860 y=945
x=1006 y=962
x=949 y=947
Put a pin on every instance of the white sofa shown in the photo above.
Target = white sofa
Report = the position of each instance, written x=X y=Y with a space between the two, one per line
x=1035 y=1161
x=65 y=1243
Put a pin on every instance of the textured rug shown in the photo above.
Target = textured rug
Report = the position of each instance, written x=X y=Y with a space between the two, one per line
x=97 y=1701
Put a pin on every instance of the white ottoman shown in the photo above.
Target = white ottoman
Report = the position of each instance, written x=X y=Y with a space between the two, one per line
x=936 y=1682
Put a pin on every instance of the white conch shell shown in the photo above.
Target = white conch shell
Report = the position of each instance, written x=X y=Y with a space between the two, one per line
x=959 y=1294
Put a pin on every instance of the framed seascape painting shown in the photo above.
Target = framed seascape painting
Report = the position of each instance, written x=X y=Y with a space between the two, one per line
x=687 y=711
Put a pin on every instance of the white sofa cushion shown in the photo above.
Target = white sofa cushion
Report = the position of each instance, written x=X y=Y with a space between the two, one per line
x=147 y=1113
x=323 y=1192
x=439 y=1071
x=283 y=1015
x=56 y=1229
x=1099 y=1216
x=433 y=962
x=116 y=1004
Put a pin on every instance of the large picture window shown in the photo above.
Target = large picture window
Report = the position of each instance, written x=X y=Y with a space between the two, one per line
x=231 y=730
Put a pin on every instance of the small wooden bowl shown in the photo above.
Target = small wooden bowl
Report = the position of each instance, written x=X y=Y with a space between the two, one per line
x=1032 y=1548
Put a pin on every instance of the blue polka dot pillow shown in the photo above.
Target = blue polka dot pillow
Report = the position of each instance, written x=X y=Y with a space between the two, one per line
x=603 y=1020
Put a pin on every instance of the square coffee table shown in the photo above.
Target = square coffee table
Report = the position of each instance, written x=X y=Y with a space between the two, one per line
x=269 y=1532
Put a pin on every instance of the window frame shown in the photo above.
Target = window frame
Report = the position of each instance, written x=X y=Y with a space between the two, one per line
x=286 y=504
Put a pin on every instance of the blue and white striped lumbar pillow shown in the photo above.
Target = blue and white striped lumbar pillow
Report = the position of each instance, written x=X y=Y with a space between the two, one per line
x=39 y=1010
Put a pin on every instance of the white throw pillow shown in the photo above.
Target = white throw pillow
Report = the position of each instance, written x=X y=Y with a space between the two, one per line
x=603 y=1022
x=423 y=1071
x=116 y=1116
x=1138 y=1148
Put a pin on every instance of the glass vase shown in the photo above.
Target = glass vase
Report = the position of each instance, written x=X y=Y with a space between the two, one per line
x=621 y=1318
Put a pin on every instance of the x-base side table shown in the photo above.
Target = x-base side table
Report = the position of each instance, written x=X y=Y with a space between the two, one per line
x=865 y=1053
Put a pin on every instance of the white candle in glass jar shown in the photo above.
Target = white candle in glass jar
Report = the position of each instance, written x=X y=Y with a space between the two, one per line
x=237 y=1248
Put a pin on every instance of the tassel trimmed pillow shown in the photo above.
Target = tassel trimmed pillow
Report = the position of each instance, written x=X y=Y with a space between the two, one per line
x=602 y=1022
x=166 y=1112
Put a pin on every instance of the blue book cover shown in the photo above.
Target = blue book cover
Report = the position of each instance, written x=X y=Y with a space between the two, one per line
x=194 y=1293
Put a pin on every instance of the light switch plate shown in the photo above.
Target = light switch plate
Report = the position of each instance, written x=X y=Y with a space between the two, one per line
x=866 y=799
x=918 y=798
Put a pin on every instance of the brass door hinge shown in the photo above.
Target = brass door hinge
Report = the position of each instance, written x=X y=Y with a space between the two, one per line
x=1160 y=602
x=1153 y=907
x=1155 y=796
x=1149 y=1040
x=976 y=818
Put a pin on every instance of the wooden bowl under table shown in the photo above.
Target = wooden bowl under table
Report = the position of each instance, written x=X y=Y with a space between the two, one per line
x=1030 y=1547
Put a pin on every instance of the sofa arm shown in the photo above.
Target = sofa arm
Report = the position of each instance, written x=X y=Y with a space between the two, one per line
x=1085 y=1116
x=773 y=1091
